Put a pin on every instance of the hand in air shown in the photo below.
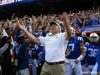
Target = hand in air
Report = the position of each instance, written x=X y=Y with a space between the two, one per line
x=21 y=25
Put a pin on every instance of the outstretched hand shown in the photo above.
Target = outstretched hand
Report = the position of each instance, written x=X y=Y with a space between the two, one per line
x=21 y=25
x=76 y=61
x=64 y=16
x=9 y=41
x=83 y=34
x=67 y=53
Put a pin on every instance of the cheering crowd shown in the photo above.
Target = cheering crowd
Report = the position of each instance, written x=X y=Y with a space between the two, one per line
x=48 y=45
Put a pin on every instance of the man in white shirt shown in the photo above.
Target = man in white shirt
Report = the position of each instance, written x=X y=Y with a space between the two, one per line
x=55 y=47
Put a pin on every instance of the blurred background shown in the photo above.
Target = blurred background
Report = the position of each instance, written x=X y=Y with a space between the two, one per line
x=22 y=7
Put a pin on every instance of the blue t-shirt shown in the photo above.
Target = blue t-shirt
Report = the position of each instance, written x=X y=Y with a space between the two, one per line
x=74 y=46
x=19 y=32
x=21 y=54
x=40 y=50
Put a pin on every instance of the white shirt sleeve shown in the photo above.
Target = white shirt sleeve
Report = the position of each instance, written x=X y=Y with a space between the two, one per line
x=3 y=49
x=63 y=37
x=42 y=40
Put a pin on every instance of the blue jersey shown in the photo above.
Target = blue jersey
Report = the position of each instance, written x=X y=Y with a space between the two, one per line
x=98 y=60
x=40 y=51
x=19 y=32
x=21 y=54
x=74 y=46
x=91 y=50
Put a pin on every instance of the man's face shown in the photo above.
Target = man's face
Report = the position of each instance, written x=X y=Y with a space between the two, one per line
x=39 y=31
x=55 y=29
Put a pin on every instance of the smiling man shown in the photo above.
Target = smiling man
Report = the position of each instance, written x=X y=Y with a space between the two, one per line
x=55 y=47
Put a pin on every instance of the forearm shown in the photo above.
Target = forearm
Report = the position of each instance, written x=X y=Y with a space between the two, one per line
x=83 y=53
x=80 y=21
x=86 y=39
x=33 y=28
x=67 y=53
x=13 y=33
x=67 y=24
x=67 y=27
x=31 y=37
x=4 y=48
x=83 y=50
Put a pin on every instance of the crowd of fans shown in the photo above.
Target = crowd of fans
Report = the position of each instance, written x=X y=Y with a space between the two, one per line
x=32 y=55
x=77 y=20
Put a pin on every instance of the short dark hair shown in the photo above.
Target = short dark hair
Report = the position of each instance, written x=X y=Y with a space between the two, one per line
x=3 y=41
x=20 y=39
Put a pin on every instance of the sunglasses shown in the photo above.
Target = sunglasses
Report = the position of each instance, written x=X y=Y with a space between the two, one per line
x=93 y=37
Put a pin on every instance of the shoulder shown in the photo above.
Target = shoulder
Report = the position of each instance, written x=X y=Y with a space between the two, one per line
x=42 y=38
x=87 y=43
x=80 y=39
x=61 y=34
x=48 y=34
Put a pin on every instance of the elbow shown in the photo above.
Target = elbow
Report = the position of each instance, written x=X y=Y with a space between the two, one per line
x=36 y=40
x=83 y=53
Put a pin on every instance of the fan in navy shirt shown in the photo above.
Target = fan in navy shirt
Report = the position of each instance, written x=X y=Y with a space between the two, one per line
x=19 y=32
x=38 y=54
x=38 y=47
x=21 y=56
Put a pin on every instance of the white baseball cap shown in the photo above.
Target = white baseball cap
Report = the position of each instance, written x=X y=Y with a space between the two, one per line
x=93 y=35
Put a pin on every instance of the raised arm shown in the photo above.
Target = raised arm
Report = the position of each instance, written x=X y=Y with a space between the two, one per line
x=67 y=25
x=87 y=39
x=30 y=36
x=82 y=50
x=13 y=33
x=34 y=21
x=4 y=48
